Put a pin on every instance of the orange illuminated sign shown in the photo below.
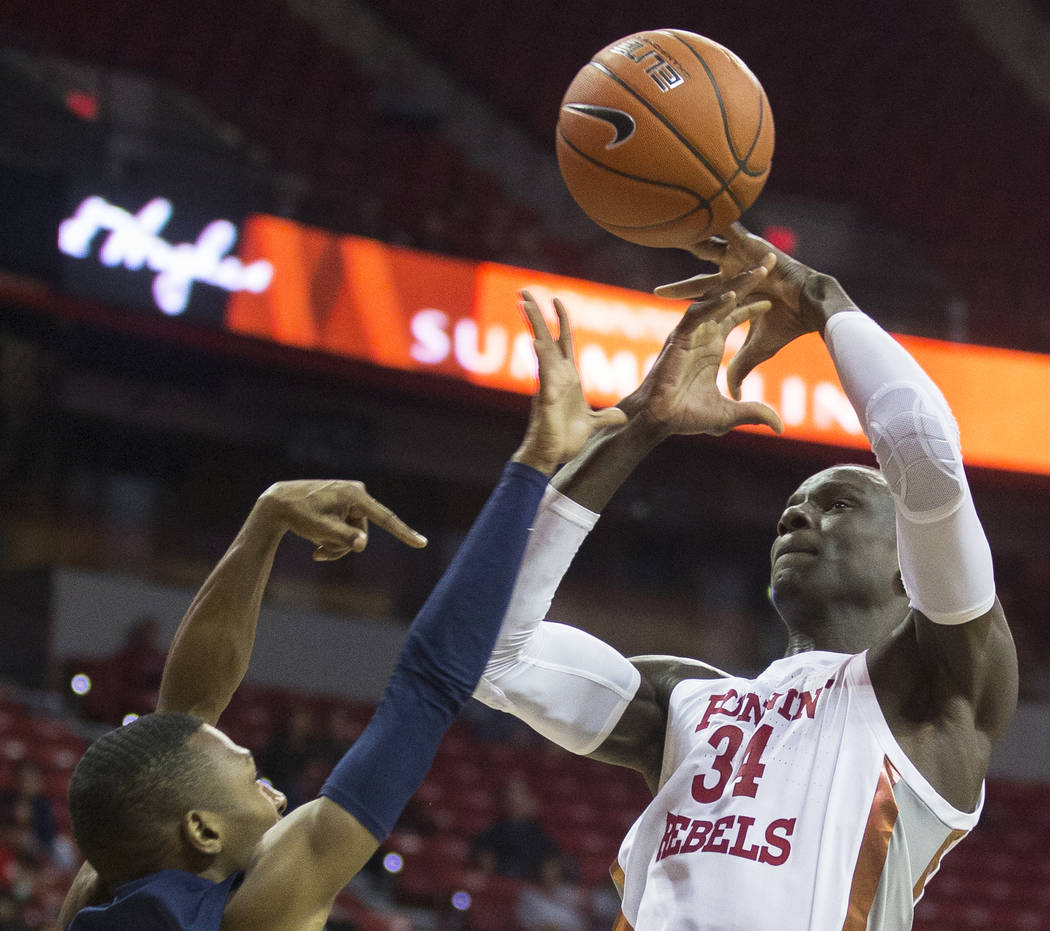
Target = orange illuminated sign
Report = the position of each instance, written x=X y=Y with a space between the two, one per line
x=416 y=311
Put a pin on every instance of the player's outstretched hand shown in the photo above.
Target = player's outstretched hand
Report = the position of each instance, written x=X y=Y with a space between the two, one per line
x=333 y=515
x=680 y=394
x=793 y=310
x=561 y=421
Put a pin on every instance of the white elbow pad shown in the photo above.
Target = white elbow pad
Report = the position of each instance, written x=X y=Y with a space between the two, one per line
x=566 y=685
x=945 y=560
x=917 y=445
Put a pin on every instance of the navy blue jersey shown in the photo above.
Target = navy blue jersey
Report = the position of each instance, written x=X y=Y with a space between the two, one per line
x=170 y=900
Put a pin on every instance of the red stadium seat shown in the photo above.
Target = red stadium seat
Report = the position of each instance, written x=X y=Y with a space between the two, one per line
x=363 y=918
x=494 y=906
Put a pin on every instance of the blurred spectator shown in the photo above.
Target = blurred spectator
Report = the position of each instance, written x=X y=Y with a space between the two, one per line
x=552 y=903
x=8 y=861
x=140 y=661
x=604 y=906
x=339 y=733
x=516 y=845
x=128 y=680
x=19 y=876
x=291 y=747
x=29 y=811
x=324 y=750
x=10 y=913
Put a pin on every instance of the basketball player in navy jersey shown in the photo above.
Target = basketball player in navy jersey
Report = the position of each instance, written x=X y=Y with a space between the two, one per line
x=822 y=794
x=178 y=830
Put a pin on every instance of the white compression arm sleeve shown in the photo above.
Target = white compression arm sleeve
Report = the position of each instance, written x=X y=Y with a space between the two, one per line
x=565 y=684
x=944 y=556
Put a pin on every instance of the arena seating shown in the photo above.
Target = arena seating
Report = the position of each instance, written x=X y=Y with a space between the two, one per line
x=55 y=746
x=958 y=182
x=955 y=183
x=1000 y=876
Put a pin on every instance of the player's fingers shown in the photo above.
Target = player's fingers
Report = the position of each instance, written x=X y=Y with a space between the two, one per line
x=359 y=534
x=695 y=288
x=327 y=530
x=564 y=330
x=755 y=412
x=724 y=310
x=330 y=553
x=710 y=250
x=742 y=363
x=382 y=516
x=746 y=281
x=712 y=309
x=531 y=309
x=742 y=314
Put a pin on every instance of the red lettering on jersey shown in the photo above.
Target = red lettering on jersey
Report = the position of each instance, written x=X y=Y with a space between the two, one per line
x=684 y=835
x=716 y=704
x=787 y=825
x=671 y=844
x=696 y=837
x=743 y=825
x=716 y=843
x=751 y=766
x=807 y=703
x=789 y=700
x=728 y=736
x=750 y=708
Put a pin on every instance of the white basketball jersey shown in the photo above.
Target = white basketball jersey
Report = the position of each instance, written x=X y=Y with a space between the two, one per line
x=784 y=803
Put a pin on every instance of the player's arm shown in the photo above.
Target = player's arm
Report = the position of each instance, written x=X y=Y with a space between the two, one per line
x=213 y=644
x=953 y=663
x=211 y=649
x=637 y=740
x=564 y=683
x=305 y=860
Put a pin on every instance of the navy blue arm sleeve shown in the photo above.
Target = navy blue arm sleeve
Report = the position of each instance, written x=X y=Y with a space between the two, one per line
x=444 y=654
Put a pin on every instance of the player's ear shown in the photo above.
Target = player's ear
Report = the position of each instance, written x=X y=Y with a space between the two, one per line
x=202 y=830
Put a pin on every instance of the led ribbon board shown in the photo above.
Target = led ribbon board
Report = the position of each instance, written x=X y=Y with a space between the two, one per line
x=420 y=312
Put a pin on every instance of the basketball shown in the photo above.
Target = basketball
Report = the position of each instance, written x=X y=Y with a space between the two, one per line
x=664 y=138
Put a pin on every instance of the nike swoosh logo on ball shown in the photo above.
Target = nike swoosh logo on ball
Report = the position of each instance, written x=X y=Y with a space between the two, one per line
x=622 y=122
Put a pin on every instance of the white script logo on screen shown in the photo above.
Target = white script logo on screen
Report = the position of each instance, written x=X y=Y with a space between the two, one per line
x=134 y=242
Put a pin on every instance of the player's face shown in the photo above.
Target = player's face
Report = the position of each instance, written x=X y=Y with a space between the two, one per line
x=836 y=539
x=254 y=806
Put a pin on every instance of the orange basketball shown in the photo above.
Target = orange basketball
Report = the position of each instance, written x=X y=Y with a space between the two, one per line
x=665 y=138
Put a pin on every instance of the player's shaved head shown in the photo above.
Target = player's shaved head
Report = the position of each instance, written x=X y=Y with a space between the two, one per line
x=131 y=789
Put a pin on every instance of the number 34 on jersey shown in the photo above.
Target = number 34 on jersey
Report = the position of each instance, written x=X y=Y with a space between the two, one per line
x=736 y=770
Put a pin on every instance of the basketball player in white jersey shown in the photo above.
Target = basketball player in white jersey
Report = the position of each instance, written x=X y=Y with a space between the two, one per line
x=822 y=794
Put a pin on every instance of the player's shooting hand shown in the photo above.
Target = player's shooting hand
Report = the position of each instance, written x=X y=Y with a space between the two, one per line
x=561 y=421
x=789 y=316
x=735 y=252
x=333 y=515
x=680 y=394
